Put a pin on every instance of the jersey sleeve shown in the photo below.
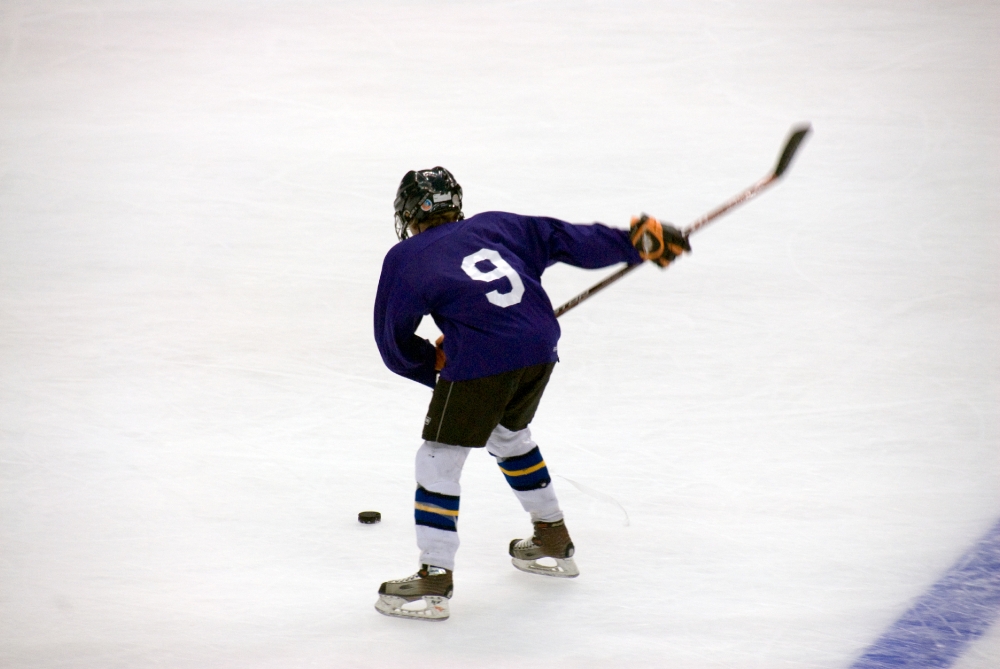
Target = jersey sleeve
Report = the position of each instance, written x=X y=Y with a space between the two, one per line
x=588 y=246
x=398 y=312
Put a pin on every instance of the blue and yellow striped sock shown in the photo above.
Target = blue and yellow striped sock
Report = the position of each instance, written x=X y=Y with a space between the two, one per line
x=526 y=472
x=434 y=509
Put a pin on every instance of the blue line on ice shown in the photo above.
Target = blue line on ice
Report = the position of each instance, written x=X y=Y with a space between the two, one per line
x=957 y=609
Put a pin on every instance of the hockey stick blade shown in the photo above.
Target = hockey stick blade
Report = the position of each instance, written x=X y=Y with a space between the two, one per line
x=791 y=146
x=787 y=153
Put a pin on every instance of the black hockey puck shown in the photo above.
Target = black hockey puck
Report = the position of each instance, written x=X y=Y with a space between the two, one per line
x=369 y=517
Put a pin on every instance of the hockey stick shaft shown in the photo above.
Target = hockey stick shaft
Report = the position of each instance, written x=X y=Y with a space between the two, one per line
x=788 y=152
x=700 y=223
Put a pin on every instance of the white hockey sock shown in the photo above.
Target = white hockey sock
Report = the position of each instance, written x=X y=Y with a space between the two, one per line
x=522 y=465
x=438 y=470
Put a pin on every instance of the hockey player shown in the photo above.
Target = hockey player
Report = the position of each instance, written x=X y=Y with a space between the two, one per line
x=479 y=278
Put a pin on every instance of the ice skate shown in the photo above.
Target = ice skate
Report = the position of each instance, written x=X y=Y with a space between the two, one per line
x=423 y=596
x=550 y=543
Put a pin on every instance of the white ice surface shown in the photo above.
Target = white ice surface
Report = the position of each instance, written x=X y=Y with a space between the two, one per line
x=800 y=419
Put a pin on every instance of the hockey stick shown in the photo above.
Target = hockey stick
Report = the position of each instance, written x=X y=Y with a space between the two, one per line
x=791 y=146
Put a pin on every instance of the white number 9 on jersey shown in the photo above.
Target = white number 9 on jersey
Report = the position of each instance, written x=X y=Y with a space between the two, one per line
x=500 y=270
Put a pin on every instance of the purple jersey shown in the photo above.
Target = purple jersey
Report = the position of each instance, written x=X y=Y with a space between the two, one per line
x=480 y=280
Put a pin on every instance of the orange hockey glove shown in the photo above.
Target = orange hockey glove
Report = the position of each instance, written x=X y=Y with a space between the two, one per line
x=439 y=358
x=655 y=241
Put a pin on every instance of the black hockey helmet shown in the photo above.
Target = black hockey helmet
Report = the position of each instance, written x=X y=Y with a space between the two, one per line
x=424 y=195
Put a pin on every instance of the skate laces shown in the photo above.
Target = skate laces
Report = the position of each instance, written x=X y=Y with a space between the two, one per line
x=422 y=573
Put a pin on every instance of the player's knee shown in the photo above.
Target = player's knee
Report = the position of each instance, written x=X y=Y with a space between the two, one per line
x=439 y=467
x=506 y=443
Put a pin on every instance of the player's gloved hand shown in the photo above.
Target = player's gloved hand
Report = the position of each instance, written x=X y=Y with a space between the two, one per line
x=656 y=241
x=439 y=358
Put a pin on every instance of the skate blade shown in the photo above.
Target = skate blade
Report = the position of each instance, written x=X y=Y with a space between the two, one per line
x=429 y=607
x=563 y=568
